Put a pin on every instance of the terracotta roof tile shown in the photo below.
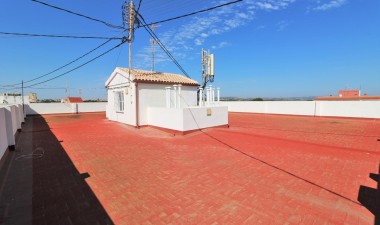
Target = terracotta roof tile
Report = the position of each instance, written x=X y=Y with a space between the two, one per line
x=160 y=77
x=349 y=98
x=74 y=99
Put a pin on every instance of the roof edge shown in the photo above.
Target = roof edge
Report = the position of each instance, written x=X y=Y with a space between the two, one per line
x=162 y=82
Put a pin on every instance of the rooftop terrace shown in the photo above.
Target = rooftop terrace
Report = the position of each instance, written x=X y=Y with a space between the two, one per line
x=264 y=169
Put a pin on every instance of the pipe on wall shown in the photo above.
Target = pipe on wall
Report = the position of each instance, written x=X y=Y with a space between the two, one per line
x=179 y=95
x=175 y=95
x=200 y=97
x=137 y=104
x=168 y=97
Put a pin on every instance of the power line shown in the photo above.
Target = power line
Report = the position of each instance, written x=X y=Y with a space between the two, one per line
x=152 y=9
x=51 y=88
x=138 y=8
x=58 y=36
x=55 y=70
x=78 y=14
x=158 y=41
x=9 y=89
x=69 y=62
x=83 y=64
x=263 y=161
x=193 y=13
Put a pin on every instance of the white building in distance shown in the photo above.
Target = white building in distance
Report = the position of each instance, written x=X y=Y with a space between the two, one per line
x=164 y=100
x=13 y=98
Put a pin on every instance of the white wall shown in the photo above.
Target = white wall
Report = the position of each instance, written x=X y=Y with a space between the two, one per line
x=150 y=95
x=361 y=109
x=58 y=108
x=13 y=100
x=197 y=118
x=92 y=107
x=11 y=117
x=121 y=82
x=17 y=117
x=154 y=95
x=21 y=113
x=169 y=118
x=129 y=114
x=188 y=96
x=48 y=108
x=185 y=119
x=3 y=133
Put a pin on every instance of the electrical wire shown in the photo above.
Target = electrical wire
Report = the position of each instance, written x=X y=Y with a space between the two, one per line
x=83 y=64
x=57 y=36
x=78 y=14
x=55 y=70
x=138 y=8
x=193 y=13
x=264 y=161
x=47 y=88
x=9 y=89
x=152 y=9
x=158 y=41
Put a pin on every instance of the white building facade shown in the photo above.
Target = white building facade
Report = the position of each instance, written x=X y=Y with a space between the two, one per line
x=165 y=100
x=13 y=98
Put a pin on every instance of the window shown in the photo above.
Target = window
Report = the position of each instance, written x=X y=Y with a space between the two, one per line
x=119 y=101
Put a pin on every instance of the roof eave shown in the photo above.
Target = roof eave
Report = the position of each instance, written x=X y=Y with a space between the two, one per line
x=163 y=82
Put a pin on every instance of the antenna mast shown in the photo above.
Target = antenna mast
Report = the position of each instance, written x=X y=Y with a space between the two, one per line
x=207 y=67
x=153 y=42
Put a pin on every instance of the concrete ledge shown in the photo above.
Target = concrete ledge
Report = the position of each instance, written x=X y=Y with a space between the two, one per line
x=177 y=132
x=187 y=119
x=63 y=108
x=346 y=109
x=308 y=116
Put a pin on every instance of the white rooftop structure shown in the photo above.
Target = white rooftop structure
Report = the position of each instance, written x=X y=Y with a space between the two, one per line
x=165 y=100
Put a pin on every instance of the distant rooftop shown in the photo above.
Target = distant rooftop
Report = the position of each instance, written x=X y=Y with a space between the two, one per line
x=73 y=100
x=353 y=98
x=348 y=95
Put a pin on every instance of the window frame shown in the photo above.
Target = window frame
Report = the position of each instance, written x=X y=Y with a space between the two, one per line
x=119 y=101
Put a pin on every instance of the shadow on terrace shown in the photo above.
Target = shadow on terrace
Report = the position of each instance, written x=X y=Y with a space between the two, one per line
x=39 y=184
x=370 y=197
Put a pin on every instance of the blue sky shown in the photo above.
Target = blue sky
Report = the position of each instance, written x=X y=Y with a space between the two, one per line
x=263 y=48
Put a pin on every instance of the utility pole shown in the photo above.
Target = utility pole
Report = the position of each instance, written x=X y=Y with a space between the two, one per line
x=153 y=42
x=130 y=20
x=22 y=96
x=67 y=89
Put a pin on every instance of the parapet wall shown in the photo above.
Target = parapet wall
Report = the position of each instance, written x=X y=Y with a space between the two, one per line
x=357 y=109
x=59 y=108
x=11 y=117
x=187 y=119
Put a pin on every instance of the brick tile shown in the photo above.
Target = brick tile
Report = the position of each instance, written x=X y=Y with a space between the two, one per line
x=281 y=170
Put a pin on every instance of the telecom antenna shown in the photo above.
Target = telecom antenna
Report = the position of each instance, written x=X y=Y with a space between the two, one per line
x=207 y=67
x=152 y=42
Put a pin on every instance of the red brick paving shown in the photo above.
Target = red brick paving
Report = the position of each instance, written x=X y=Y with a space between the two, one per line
x=39 y=183
x=264 y=169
